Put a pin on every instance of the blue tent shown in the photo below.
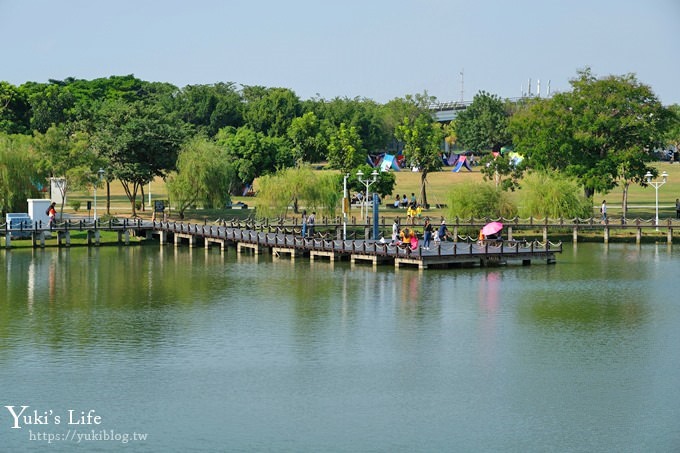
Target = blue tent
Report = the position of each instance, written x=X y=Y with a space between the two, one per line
x=462 y=162
x=389 y=162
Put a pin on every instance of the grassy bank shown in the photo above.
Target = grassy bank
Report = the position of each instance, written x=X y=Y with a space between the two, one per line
x=641 y=201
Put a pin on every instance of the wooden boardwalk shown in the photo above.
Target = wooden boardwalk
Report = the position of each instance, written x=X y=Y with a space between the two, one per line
x=38 y=233
x=442 y=255
x=282 y=241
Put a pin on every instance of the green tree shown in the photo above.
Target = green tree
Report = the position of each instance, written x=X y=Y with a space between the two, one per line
x=483 y=126
x=383 y=186
x=316 y=191
x=602 y=132
x=498 y=168
x=410 y=106
x=138 y=141
x=253 y=154
x=204 y=175
x=345 y=149
x=307 y=140
x=270 y=110
x=14 y=110
x=365 y=115
x=422 y=139
x=67 y=156
x=50 y=104
x=209 y=108
x=673 y=133
x=18 y=173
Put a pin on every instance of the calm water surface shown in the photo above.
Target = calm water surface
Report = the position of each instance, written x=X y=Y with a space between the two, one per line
x=207 y=352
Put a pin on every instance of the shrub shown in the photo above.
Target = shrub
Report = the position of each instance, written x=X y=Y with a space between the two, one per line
x=479 y=200
x=553 y=195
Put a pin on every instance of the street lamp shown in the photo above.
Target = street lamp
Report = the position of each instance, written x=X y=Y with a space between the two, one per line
x=100 y=175
x=345 y=206
x=656 y=185
x=367 y=183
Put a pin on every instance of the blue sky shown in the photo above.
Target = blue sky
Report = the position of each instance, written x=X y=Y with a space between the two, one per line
x=375 y=49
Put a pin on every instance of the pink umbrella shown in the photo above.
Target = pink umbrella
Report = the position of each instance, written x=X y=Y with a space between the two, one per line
x=492 y=228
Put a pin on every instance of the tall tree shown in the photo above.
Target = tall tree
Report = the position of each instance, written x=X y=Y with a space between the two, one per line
x=50 y=104
x=422 y=139
x=602 y=132
x=139 y=142
x=209 y=108
x=483 y=126
x=345 y=150
x=68 y=157
x=307 y=140
x=204 y=175
x=14 y=110
x=271 y=110
x=19 y=173
x=252 y=153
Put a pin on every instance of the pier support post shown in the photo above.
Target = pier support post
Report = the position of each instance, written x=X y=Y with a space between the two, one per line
x=124 y=236
x=574 y=234
x=606 y=234
x=669 y=235
x=93 y=235
x=510 y=233
x=8 y=240
x=65 y=236
x=545 y=234
x=638 y=236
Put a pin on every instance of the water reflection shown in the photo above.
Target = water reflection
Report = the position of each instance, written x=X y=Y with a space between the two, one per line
x=264 y=346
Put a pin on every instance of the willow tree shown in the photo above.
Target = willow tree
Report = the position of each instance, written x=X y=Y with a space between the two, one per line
x=18 y=172
x=204 y=175
x=315 y=191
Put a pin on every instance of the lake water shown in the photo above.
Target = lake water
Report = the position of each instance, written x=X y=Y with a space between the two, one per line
x=187 y=350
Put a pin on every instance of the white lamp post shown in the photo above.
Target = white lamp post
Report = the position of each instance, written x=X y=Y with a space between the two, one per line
x=656 y=185
x=100 y=175
x=345 y=206
x=367 y=183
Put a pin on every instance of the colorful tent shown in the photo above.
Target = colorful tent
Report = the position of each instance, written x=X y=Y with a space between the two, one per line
x=462 y=162
x=389 y=162
x=453 y=159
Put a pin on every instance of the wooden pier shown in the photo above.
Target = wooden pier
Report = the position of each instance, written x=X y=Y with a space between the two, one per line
x=282 y=244
x=287 y=242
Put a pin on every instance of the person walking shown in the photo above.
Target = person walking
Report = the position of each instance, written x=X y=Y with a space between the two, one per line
x=310 y=224
x=395 y=230
x=603 y=210
x=304 y=224
x=52 y=214
x=677 y=208
x=443 y=231
x=427 y=234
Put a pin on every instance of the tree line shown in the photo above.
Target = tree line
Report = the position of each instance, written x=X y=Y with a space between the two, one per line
x=210 y=141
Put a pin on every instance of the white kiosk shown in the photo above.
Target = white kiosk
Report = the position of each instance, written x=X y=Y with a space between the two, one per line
x=37 y=208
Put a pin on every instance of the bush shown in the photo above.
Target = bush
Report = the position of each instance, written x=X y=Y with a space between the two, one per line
x=554 y=196
x=479 y=200
x=75 y=205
